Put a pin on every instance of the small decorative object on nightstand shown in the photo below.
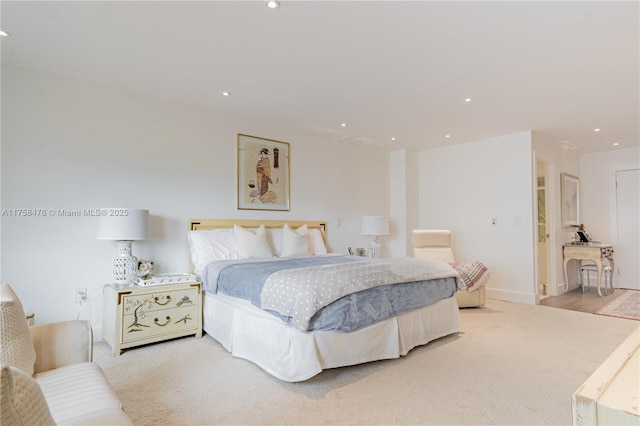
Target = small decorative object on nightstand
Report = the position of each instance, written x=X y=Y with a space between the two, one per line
x=145 y=267
x=135 y=316
x=169 y=278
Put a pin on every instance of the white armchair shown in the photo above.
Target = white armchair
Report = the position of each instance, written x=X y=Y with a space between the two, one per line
x=60 y=344
x=47 y=374
x=436 y=244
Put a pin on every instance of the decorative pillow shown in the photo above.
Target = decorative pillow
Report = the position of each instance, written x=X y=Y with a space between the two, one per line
x=295 y=243
x=21 y=399
x=317 y=242
x=252 y=244
x=208 y=246
x=15 y=337
x=274 y=235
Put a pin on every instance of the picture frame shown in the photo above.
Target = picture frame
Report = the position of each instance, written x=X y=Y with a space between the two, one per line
x=263 y=174
x=570 y=200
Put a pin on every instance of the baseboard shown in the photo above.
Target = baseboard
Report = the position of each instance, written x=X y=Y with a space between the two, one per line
x=560 y=288
x=511 y=296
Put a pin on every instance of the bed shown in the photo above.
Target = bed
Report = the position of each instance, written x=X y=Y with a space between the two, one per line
x=295 y=348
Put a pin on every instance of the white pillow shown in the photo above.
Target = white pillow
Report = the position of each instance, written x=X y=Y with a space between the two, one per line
x=209 y=246
x=317 y=242
x=15 y=338
x=250 y=244
x=220 y=244
x=295 y=243
x=22 y=400
x=274 y=235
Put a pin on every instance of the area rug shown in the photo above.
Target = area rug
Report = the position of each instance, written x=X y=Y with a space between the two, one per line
x=626 y=305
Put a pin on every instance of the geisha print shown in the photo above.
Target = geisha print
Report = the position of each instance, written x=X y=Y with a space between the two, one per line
x=263 y=178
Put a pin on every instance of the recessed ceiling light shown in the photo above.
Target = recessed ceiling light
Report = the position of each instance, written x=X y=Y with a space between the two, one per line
x=616 y=143
x=344 y=125
x=4 y=33
x=468 y=99
x=393 y=138
x=596 y=130
x=447 y=136
x=226 y=94
x=272 y=4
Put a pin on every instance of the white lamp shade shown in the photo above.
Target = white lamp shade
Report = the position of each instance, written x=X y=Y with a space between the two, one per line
x=375 y=225
x=124 y=224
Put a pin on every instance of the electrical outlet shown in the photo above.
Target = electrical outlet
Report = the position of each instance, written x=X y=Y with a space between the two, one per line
x=80 y=295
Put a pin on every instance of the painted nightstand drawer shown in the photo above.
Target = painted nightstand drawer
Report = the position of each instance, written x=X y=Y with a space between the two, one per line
x=159 y=322
x=139 y=304
x=136 y=315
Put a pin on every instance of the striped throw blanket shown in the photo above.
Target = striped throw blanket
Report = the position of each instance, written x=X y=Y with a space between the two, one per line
x=473 y=273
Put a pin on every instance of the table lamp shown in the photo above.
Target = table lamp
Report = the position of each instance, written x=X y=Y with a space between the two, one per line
x=374 y=226
x=124 y=225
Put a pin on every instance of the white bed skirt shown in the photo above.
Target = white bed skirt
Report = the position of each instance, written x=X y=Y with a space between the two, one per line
x=291 y=355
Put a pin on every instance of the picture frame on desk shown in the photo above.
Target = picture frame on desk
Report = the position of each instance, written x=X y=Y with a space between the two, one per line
x=584 y=238
x=569 y=200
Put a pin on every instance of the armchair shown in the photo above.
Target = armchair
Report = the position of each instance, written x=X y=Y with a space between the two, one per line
x=435 y=244
x=48 y=376
x=60 y=344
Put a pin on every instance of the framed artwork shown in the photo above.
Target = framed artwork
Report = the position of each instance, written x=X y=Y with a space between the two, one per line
x=263 y=174
x=570 y=199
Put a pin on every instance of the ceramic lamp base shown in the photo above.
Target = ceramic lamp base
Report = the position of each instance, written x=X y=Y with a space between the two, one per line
x=125 y=266
x=374 y=247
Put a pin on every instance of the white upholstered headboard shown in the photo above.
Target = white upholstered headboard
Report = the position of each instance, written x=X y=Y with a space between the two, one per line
x=210 y=224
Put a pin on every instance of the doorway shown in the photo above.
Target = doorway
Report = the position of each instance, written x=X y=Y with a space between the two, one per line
x=628 y=229
x=542 y=231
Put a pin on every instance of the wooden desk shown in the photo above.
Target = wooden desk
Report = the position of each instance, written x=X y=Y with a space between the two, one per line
x=588 y=251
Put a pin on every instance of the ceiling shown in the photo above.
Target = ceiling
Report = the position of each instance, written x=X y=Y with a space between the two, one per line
x=388 y=69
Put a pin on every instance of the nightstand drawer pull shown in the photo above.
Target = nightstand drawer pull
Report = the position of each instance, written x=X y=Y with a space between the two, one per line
x=162 y=325
x=157 y=300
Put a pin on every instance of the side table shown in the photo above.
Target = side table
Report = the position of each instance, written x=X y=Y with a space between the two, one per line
x=135 y=315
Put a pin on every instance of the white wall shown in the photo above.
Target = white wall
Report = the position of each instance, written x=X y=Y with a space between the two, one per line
x=598 y=191
x=72 y=145
x=403 y=200
x=463 y=187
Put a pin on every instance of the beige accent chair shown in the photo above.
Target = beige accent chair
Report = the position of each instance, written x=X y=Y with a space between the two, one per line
x=436 y=244
x=47 y=372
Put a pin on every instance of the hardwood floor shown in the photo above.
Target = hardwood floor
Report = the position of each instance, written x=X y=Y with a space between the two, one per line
x=576 y=301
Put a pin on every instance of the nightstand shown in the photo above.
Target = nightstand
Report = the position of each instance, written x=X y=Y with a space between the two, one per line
x=135 y=315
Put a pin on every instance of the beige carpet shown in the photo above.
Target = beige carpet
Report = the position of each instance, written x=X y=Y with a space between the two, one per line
x=512 y=365
x=626 y=305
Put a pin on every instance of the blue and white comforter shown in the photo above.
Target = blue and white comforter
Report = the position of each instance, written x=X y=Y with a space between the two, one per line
x=341 y=293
